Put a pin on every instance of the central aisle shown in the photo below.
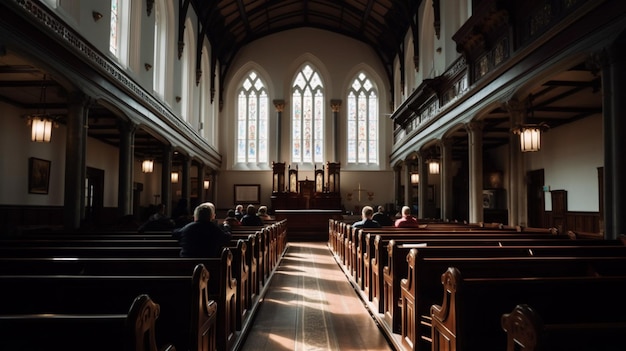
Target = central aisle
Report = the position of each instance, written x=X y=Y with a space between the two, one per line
x=310 y=305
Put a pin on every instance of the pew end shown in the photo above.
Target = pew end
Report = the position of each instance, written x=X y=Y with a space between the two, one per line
x=141 y=323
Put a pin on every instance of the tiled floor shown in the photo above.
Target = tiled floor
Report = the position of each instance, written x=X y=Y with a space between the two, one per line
x=310 y=305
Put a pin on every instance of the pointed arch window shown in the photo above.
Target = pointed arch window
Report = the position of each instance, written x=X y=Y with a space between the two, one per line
x=362 y=105
x=307 y=117
x=252 y=120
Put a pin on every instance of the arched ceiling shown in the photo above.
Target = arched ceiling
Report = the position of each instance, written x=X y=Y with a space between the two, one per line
x=381 y=24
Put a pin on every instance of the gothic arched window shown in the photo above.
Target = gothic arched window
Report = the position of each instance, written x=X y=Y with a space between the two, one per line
x=307 y=117
x=252 y=120
x=362 y=138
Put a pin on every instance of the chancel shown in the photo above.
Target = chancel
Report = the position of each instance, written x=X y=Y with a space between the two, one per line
x=321 y=193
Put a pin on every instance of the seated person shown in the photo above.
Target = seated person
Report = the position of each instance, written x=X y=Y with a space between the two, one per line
x=263 y=213
x=239 y=212
x=231 y=220
x=382 y=218
x=202 y=238
x=407 y=221
x=157 y=221
x=366 y=222
x=250 y=218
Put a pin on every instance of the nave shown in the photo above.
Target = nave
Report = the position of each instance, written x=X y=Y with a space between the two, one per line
x=311 y=305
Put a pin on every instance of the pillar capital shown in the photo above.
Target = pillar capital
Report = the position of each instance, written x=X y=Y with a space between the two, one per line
x=335 y=105
x=514 y=106
x=474 y=126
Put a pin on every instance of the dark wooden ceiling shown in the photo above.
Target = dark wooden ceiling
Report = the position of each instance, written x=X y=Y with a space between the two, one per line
x=381 y=24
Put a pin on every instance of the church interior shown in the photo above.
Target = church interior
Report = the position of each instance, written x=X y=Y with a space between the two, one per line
x=496 y=123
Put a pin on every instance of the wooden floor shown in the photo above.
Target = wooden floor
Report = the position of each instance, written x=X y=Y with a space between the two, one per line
x=311 y=305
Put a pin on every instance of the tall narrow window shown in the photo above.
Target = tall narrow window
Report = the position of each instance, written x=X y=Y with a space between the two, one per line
x=119 y=36
x=362 y=121
x=252 y=121
x=114 y=42
x=307 y=117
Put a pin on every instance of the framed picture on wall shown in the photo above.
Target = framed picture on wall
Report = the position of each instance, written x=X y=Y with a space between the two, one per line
x=38 y=176
x=247 y=193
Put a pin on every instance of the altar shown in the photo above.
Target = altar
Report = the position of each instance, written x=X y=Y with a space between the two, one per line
x=307 y=225
x=321 y=193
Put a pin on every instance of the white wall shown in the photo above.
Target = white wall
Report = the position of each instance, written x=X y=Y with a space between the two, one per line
x=277 y=57
x=570 y=156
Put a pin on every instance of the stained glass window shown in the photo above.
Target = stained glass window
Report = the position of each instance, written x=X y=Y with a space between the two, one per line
x=307 y=118
x=252 y=121
x=114 y=39
x=362 y=126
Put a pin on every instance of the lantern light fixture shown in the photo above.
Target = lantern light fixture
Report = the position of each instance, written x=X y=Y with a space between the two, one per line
x=415 y=178
x=433 y=166
x=174 y=177
x=41 y=123
x=530 y=136
x=147 y=166
x=206 y=184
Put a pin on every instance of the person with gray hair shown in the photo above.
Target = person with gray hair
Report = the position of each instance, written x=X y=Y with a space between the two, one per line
x=407 y=221
x=202 y=238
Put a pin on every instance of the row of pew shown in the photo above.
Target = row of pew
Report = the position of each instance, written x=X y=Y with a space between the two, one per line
x=72 y=290
x=459 y=286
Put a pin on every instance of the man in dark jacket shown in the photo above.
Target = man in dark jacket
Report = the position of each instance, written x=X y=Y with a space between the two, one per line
x=382 y=218
x=366 y=221
x=251 y=218
x=202 y=237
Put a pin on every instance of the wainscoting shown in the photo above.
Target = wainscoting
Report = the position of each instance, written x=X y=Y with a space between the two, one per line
x=575 y=221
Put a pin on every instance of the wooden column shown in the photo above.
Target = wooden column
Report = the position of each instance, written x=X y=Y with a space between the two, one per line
x=125 y=175
x=75 y=153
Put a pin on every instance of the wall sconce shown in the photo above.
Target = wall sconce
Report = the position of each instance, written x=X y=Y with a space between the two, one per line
x=415 y=178
x=530 y=136
x=147 y=166
x=207 y=183
x=174 y=177
x=147 y=66
x=433 y=166
x=178 y=98
x=96 y=16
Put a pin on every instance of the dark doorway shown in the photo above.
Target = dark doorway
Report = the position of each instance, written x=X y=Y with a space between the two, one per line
x=137 y=189
x=535 y=199
x=94 y=195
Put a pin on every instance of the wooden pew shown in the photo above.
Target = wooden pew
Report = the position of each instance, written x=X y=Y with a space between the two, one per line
x=369 y=269
x=396 y=268
x=81 y=294
x=360 y=244
x=527 y=330
x=27 y=242
x=244 y=300
x=93 y=251
x=347 y=240
x=133 y=331
x=421 y=288
x=224 y=271
x=469 y=315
